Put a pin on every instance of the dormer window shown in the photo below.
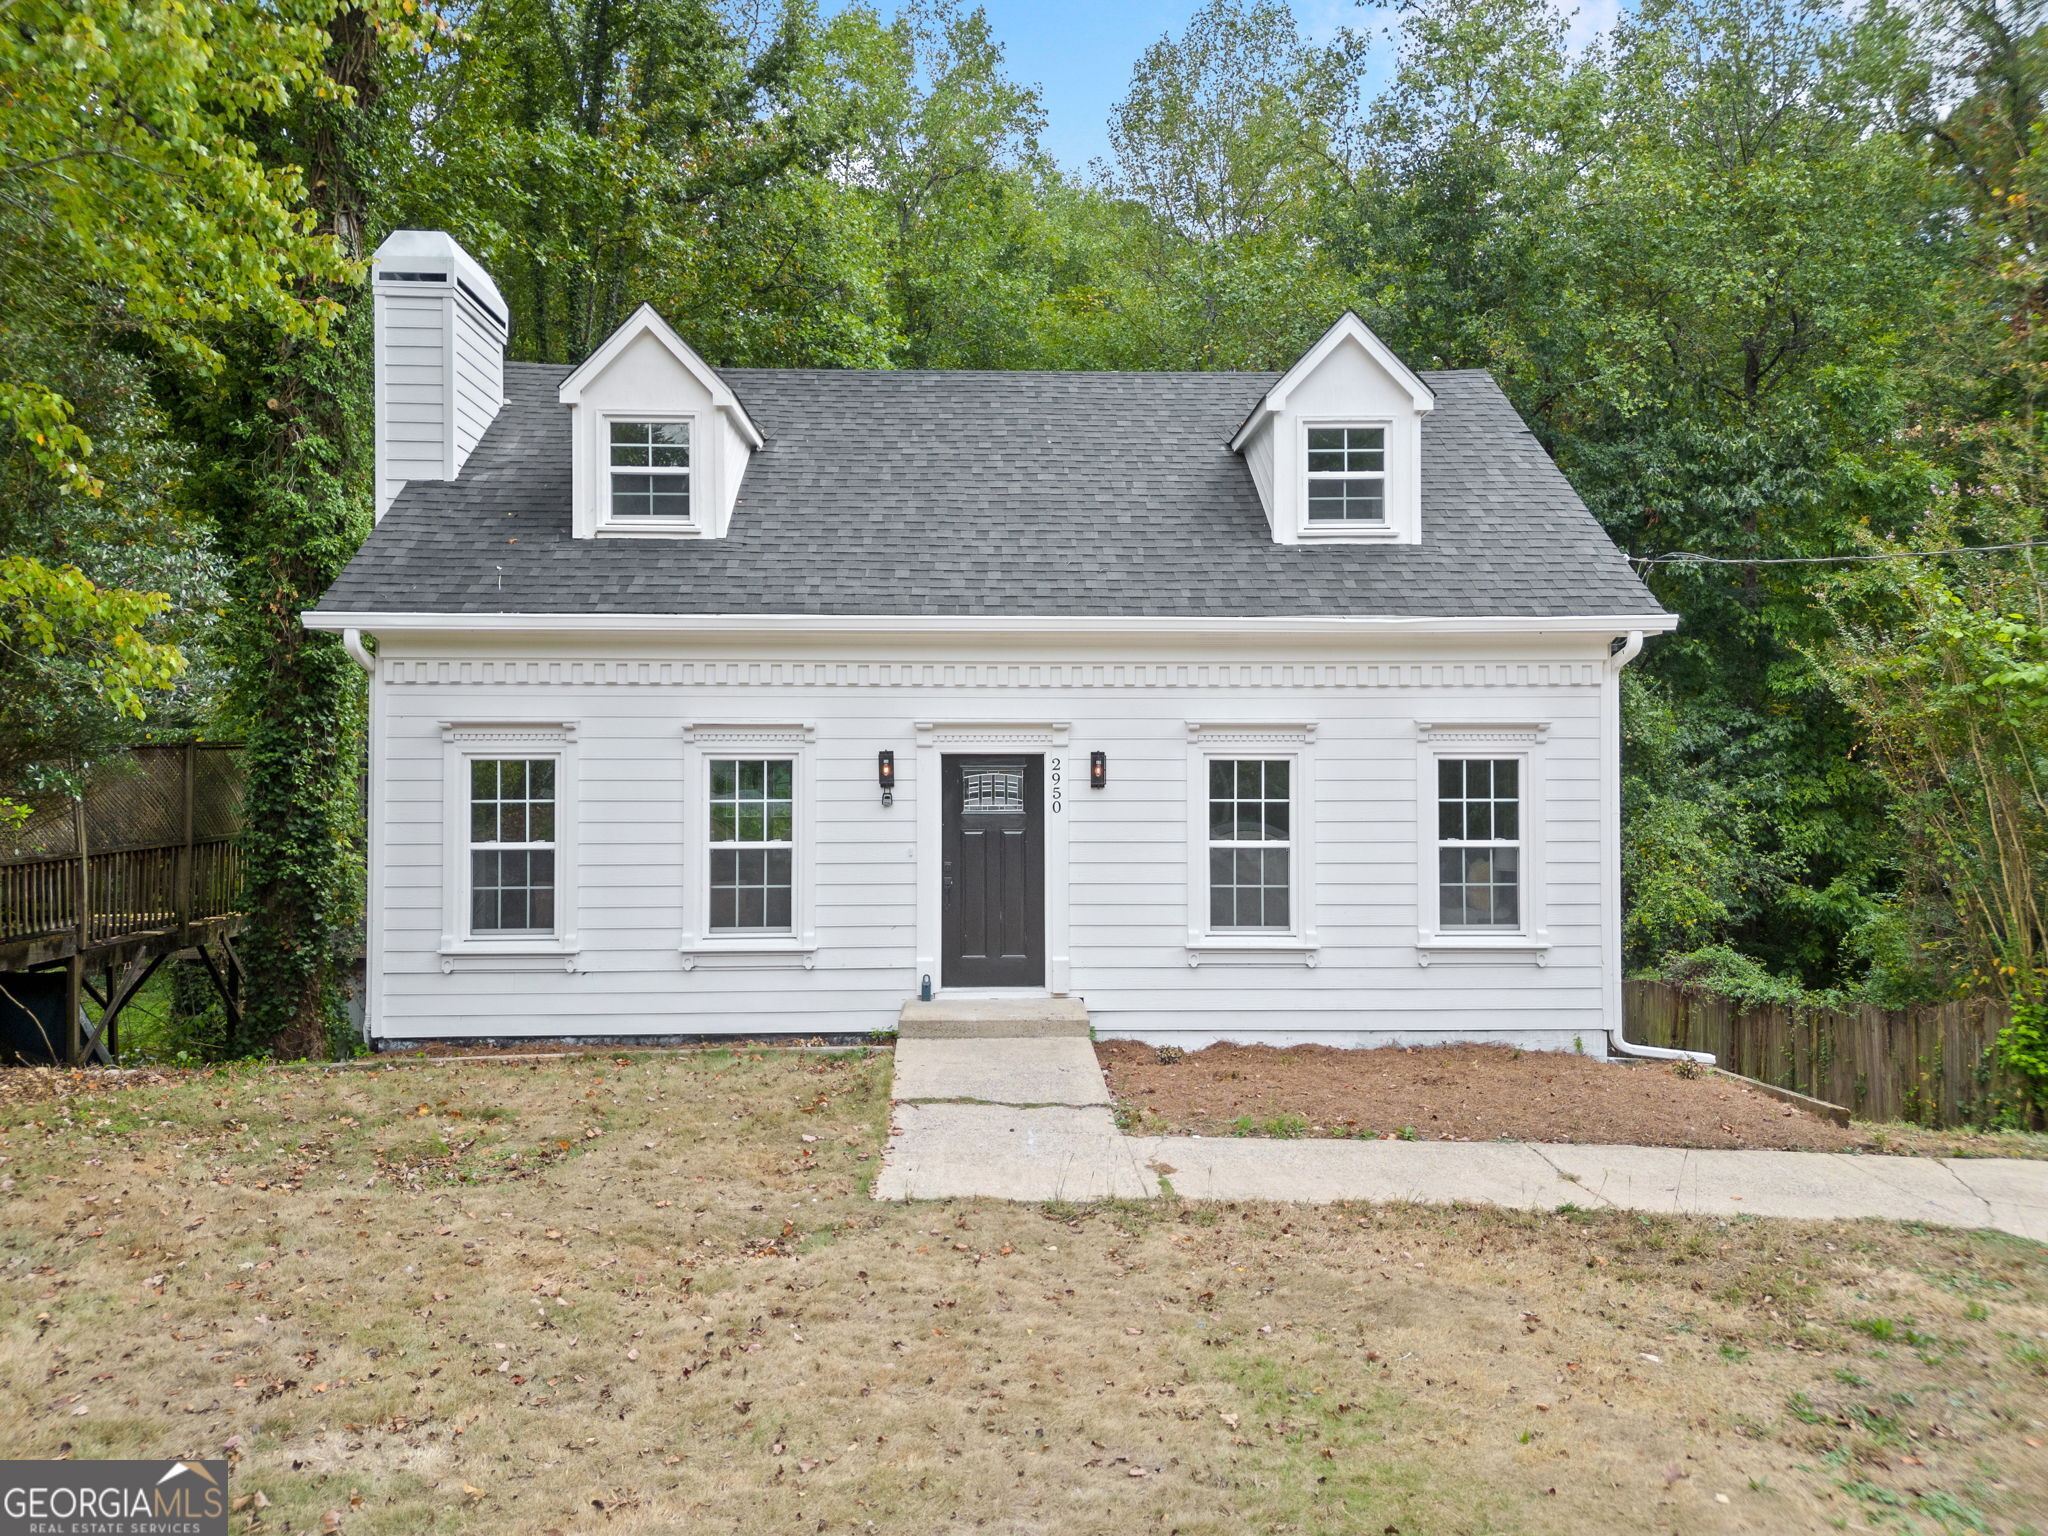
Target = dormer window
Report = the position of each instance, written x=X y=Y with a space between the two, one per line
x=650 y=471
x=661 y=441
x=1334 y=448
x=1347 y=475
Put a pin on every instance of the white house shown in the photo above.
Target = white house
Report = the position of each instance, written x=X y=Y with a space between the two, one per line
x=1246 y=706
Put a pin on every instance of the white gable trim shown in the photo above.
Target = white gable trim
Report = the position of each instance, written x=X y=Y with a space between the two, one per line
x=1348 y=328
x=646 y=321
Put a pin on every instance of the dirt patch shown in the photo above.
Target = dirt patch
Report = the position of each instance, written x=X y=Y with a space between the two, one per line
x=1452 y=1093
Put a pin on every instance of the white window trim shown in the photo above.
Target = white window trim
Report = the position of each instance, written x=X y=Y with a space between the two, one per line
x=691 y=527
x=1208 y=742
x=1387 y=530
x=699 y=944
x=1523 y=742
x=462 y=743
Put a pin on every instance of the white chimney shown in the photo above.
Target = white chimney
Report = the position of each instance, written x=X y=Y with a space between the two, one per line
x=440 y=357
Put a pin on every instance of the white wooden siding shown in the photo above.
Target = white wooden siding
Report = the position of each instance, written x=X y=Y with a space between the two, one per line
x=440 y=379
x=1127 y=877
x=412 y=408
x=479 y=377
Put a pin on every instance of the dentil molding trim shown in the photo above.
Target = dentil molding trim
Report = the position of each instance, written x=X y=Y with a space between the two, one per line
x=1003 y=674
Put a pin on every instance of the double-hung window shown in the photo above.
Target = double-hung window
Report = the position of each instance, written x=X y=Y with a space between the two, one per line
x=1251 y=845
x=511 y=846
x=753 y=845
x=1347 y=475
x=650 y=471
x=1479 y=843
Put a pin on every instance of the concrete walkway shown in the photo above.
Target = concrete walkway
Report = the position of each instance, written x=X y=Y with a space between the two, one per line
x=1026 y=1116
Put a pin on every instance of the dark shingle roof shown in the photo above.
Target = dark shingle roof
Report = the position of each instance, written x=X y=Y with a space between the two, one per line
x=950 y=493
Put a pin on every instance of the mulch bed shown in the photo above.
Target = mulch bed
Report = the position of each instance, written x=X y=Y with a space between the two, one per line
x=1451 y=1093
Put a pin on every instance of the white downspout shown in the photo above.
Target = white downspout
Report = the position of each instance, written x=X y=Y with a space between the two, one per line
x=352 y=642
x=1616 y=1041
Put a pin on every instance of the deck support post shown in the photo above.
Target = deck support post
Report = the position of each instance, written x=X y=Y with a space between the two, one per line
x=227 y=982
x=74 y=971
x=74 y=1009
x=186 y=869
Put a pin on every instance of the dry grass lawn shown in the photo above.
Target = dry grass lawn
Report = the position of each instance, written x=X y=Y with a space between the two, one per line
x=583 y=1295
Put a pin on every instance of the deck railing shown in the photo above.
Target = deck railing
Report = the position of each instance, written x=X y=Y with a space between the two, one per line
x=150 y=847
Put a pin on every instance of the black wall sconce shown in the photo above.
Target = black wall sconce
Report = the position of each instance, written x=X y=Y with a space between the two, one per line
x=1098 y=770
x=885 y=772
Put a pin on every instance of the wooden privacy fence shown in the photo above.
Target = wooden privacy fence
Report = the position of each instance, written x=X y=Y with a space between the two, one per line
x=1935 y=1065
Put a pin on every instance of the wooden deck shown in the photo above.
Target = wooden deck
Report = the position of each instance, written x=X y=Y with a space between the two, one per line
x=144 y=868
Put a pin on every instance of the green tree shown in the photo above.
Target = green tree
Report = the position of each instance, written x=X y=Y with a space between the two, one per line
x=1439 y=225
x=62 y=638
x=281 y=466
x=127 y=185
x=134 y=211
x=1945 y=661
x=1736 y=285
x=595 y=154
x=1229 y=135
x=940 y=148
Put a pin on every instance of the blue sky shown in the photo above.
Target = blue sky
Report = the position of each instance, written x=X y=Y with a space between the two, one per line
x=1080 y=52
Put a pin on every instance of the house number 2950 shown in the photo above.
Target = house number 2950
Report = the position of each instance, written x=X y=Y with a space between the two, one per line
x=1055 y=777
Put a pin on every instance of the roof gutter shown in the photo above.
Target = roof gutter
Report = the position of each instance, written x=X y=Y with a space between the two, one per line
x=784 y=624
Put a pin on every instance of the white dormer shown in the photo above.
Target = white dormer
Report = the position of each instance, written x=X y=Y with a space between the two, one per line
x=661 y=442
x=1335 y=448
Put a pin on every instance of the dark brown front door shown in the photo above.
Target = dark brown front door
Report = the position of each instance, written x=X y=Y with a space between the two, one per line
x=993 y=896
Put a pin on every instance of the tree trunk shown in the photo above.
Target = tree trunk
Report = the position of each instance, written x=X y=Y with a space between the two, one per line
x=283 y=446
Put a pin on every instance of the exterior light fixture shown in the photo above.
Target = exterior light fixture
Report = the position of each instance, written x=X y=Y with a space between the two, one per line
x=1098 y=770
x=885 y=773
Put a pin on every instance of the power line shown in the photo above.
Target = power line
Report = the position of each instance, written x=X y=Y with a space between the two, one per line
x=1689 y=557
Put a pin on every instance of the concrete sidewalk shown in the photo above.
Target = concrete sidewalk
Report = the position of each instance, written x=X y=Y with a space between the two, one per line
x=1029 y=1119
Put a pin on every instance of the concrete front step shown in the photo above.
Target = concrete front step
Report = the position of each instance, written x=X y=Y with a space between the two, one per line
x=1030 y=1018
x=1009 y=1070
